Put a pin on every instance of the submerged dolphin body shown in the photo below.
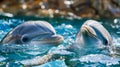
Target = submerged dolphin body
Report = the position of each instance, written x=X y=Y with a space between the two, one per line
x=39 y=31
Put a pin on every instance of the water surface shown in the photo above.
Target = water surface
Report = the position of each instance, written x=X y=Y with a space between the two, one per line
x=67 y=27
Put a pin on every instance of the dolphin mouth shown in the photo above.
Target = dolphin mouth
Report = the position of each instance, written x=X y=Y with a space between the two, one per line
x=54 y=39
x=89 y=30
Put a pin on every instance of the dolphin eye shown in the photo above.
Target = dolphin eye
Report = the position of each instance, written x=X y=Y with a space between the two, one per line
x=25 y=39
x=105 y=42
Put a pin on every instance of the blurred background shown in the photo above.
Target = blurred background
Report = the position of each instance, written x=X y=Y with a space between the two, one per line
x=61 y=8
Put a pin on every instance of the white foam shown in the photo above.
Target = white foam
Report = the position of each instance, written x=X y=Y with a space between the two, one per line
x=99 y=58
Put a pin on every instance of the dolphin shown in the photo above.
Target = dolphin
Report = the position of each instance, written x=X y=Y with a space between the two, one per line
x=91 y=32
x=33 y=31
x=92 y=37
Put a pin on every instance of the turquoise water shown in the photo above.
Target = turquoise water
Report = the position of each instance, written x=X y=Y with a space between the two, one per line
x=10 y=55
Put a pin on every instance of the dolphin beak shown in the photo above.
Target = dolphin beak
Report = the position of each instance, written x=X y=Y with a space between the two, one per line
x=55 y=39
x=89 y=30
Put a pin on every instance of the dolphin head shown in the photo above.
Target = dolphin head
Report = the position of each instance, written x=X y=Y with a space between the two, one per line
x=92 y=32
x=33 y=31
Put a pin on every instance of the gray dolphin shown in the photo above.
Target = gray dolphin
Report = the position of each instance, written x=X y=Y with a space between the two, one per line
x=91 y=32
x=39 y=31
